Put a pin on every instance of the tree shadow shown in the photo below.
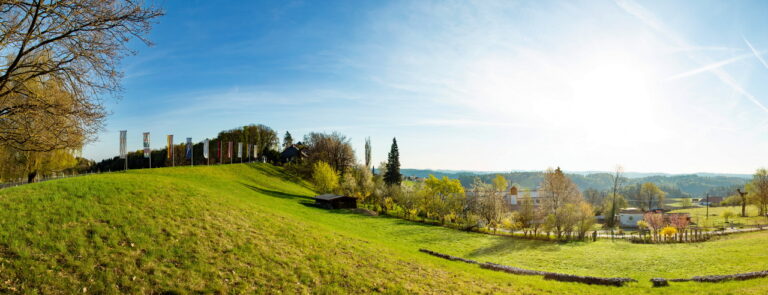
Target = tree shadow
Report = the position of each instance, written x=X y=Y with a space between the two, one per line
x=269 y=170
x=277 y=194
x=505 y=245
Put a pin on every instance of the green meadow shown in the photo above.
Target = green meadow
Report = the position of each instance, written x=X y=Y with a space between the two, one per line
x=248 y=228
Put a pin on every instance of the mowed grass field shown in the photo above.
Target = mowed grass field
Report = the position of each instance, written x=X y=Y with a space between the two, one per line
x=246 y=228
x=715 y=217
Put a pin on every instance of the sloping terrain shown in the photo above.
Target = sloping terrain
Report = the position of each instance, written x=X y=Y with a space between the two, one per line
x=248 y=228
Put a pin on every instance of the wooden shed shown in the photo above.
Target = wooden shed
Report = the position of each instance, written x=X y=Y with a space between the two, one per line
x=331 y=201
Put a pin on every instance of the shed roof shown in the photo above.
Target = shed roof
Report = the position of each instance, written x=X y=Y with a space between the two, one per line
x=631 y=211
x=329 y=197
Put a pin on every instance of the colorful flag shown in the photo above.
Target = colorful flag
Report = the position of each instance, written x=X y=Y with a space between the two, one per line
x=123 y=142
x=146 y=145
x=170 y=146
x=205 y=148
x=247 y=150
x=189 y=147
x=240 y=150
x=229 y=150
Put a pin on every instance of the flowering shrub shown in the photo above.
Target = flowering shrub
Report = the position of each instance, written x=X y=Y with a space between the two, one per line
x=668 y=231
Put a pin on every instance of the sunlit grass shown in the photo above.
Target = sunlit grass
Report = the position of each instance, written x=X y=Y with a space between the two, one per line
x=715 y=217
x=248 y=229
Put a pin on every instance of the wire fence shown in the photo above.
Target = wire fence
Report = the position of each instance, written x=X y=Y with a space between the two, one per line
x=61 y=175
x=54 y=176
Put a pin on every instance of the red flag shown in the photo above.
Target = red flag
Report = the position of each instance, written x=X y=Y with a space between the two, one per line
x=219 y=152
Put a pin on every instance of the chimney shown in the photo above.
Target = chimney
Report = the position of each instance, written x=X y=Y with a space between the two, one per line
x=513 y=191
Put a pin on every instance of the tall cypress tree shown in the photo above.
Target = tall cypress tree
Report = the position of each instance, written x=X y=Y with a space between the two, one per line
x=287 y=140
x=392 y=176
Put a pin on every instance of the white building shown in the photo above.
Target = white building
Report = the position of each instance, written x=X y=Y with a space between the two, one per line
x=630 y=216
x=513 y=196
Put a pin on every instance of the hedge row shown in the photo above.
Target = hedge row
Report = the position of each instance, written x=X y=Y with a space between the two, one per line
x=661 y=282
x=449 y=257
x=547 y=275
x=512 y=270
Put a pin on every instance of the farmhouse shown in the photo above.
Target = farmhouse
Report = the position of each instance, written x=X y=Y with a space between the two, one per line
x=630 y=216
x=513 y=196
x=292 y=153
x=331 y=201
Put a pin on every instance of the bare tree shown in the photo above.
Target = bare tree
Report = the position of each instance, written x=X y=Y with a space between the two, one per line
x=333 y=149
x=76 y=43
x=488 y=203
x=610 y=218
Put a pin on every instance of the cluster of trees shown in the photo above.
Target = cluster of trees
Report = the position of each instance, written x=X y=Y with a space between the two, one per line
x=660 y=227
x=563 y=211
x=59 y=58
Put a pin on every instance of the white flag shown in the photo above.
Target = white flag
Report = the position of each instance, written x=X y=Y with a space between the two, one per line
x=146 y=145
x=205 y=148
x=239 y=149
x=123 y=141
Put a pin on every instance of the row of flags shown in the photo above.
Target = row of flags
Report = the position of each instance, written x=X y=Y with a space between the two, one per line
x=250 y=148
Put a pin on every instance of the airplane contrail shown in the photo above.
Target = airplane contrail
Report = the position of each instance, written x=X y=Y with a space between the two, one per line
x=637 y=10
x=757 y=54
x=712 y=66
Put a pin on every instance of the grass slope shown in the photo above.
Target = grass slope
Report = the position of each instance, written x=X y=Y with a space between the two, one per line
x=246 y=228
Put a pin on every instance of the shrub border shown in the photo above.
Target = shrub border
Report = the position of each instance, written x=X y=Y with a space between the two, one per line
x=618 y=282
x=662 y=282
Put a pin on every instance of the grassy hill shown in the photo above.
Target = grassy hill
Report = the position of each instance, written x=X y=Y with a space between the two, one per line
x=247 y=228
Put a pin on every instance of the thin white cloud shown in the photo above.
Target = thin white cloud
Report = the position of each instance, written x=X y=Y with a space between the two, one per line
x=650 y=20
x=756 y=53
x=711 y=66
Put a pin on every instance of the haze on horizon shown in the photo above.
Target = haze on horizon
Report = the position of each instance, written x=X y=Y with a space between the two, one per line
x=656 y=86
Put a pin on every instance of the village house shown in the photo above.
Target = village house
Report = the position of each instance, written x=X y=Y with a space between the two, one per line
x=293 y=153
x=513 y=197
x=629 y=217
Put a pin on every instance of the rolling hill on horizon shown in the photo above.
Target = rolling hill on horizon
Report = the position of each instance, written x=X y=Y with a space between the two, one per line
x=676 y=185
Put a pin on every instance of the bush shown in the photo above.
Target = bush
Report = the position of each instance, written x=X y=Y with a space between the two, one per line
x=325 y=178
x=668 y=231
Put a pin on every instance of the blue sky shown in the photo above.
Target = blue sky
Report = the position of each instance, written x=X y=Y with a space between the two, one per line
x=656 y=86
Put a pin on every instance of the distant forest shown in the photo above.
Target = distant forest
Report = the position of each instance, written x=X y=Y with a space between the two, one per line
x=676 y=186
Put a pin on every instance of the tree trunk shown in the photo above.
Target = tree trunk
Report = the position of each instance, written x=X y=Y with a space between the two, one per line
x=743 y=208
x=31 y=176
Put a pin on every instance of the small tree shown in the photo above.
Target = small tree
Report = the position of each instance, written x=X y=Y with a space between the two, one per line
x=728 y=214
x=686 y=202
x=325 y=178
x=526 y=214
x=500 y=183
x=655 y=221
x=585 y=219
x=651 y=196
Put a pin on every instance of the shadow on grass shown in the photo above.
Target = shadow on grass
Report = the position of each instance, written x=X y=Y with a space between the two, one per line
x=269 y=170
x=277 y=194
x=505 y=245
